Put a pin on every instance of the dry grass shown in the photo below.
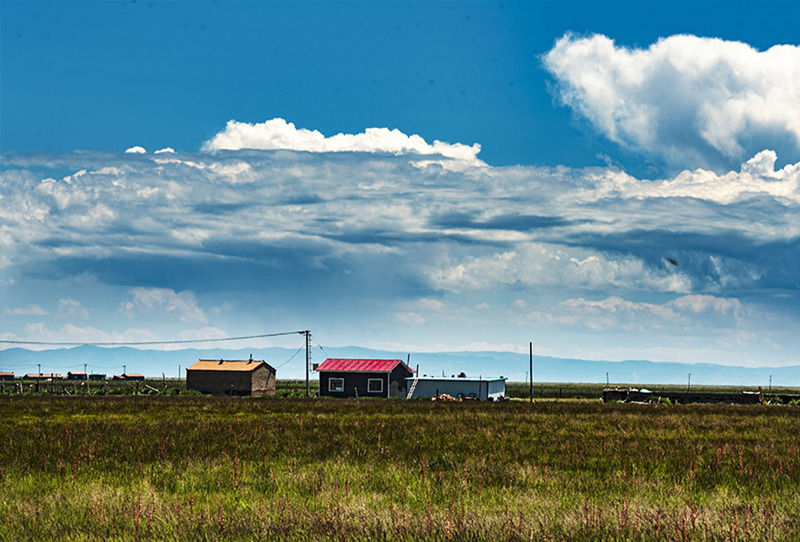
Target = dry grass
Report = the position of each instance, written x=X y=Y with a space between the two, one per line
x=200 y=468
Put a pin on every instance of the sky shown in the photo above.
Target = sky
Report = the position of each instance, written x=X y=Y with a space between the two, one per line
x=610 y=180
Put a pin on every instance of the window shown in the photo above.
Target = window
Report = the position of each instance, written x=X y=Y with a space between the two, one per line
x=375 y=385
x=336 y=384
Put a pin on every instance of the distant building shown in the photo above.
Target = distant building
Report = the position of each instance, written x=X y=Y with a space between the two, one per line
x=77 y=375
x=232 y=377
x=97 y=376
x=363 y=377
x=128 y=376
x=6 y=376
x=44 y=376
x=483 y=388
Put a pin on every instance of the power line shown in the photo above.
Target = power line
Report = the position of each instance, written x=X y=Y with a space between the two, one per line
x=291 y=358
x=143 y=343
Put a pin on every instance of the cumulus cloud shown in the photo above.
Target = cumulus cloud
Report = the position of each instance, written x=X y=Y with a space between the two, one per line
x=702 y=303
x=277 y=134
x=28 y=310
x=270 y=231
x=182 y=304
x=548 y=265
x=756 y=178
x=205 y=332
x=167 y=150
x=77 y=334
x=72 y=308
x=615 y=312
x=690 y=100
x=136 y=150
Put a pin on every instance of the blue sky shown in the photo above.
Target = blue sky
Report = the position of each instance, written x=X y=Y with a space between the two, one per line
x=611 y=180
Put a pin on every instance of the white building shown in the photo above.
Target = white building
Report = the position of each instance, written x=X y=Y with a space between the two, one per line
x=483 y=388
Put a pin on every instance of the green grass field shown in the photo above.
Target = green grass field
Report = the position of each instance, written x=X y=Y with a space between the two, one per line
x=202 y=468
x=297 y=388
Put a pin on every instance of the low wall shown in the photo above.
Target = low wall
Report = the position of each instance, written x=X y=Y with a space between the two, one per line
x=744 y=398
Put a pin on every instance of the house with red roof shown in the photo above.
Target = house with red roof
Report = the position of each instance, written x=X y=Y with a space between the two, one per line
x=363 y=377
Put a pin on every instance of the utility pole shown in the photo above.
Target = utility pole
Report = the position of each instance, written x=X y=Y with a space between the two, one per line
x=607 y=384
x=124 y=371
x=531 y=369
x=770 y=382
x=85 y=371
x=307 y=333
x=689 y=383
x=40 y=368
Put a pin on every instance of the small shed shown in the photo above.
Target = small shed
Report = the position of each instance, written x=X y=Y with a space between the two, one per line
x=97 y=376
x=6 y=376
x=76 y=375
x=340 y=377
x=481 y=387
x=128 y=376
x=232 y=377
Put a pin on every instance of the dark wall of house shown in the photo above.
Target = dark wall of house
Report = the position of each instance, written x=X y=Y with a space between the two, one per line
x=398 y=381
x=352 y=381
x=395 y=381
x=263 y=381
x=258 y=382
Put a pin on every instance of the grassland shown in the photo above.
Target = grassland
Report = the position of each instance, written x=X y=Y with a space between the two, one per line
x=297 y=388
x=200 y=468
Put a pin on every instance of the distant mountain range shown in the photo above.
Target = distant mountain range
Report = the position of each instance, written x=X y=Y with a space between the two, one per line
x=289 y=364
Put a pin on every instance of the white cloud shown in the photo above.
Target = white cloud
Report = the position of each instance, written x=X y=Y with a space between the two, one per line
x=444 y=249
x=617 y=312
x=82 y=334
x=278 y=134
x=27 y=310
x=205 y=332
x=136 y=150
x=684 y=313
x=168 y=150
x=419 y=310
x=410 y=317
x=182 y=304
x=756 y=178
x=72 y=308
x=548 y=265
x=688 y=99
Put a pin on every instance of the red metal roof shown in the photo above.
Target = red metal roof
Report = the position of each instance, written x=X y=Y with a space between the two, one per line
x=359 y=365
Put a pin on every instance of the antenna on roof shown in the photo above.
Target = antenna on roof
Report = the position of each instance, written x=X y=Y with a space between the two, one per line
x=251 y=357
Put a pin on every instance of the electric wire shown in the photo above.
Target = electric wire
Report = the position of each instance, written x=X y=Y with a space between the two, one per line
x=143 y=343
x=291 y=358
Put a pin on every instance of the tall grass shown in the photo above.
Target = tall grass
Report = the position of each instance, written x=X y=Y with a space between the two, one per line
x=279 y=469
